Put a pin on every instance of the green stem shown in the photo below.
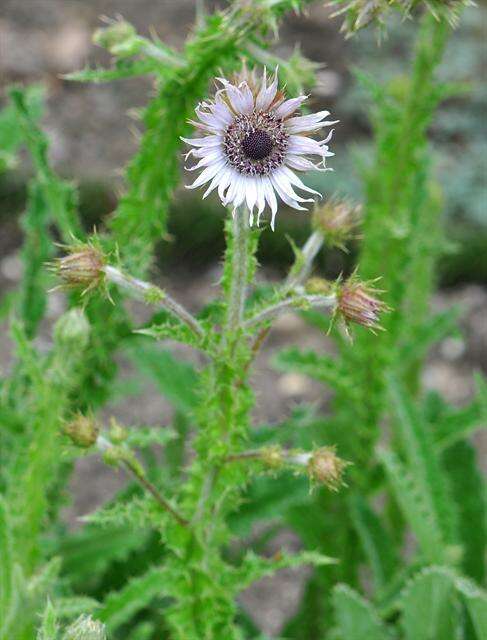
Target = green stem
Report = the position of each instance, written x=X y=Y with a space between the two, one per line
x=239 y=269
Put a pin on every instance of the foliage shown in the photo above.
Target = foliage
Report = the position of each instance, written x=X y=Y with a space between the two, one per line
x=165 y=556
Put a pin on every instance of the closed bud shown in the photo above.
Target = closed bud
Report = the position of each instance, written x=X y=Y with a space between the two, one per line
x=119 y=38
x=72 y=329
x=272 y=457
x=118 y=434
x=82 y=430
x=337 y=220
x=357 y=302
x=319 y=286
x=85 y=628
x=81 y=267
x=325 y=467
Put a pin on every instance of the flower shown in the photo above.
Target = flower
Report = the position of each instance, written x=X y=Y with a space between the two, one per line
x=357 y=302
x=253 y=142
x=81 y=267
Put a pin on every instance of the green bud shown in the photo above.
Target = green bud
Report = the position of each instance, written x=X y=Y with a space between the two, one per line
x=72 y=329
x=118 y=434
x=83 y=430
x=85 y=628
x=119 y=38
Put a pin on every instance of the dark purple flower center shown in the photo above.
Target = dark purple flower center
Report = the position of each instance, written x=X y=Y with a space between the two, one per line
x=257 y=145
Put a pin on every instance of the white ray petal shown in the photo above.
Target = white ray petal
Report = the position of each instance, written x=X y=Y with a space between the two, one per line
x=267 y=95
x=207 y=174
x=209 y=158
x=270 y=196
x=300 y=163
x=281 y=181
x=247 y=98
x=289 y=106
x=294 y=180
x=251 y=194
x=207 y=141
x=300 y=145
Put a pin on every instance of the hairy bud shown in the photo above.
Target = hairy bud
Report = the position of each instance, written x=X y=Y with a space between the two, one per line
x=319 y=286
x=273 y=457
x=119 y=38
x=357 y=302
x=82 y=430
x=337 y=220
x=85 y=628
x=72 y=329
x=325 y=467
x=81 y=267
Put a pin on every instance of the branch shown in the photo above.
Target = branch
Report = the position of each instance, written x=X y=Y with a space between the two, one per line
x=300 y=301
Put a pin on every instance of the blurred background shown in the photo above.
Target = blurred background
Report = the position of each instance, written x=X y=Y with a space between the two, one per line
x=93 y=135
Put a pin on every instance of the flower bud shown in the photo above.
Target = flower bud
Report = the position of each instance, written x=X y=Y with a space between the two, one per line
x=319 y=286
x=117 y=434
x=72 y=329
x=325 y=467
x=83 y=430
x=356 y=302
x=81 y=267
x=337 y=220
x=85 y=628
x=272 y=457
x=119 y=38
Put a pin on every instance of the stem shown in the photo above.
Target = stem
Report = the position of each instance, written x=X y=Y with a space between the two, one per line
x=239 y=266
x=304 y=300
x=151 y=294
x=104 y=445
x=298 y=275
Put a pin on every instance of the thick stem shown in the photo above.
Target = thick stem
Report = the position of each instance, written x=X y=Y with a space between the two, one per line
x=151 y=294
x=239 y=272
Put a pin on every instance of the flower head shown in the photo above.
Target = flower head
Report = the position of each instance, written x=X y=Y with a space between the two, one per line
x=83 y=430
x=81 y=267
x=325 y=467
x=357 y=302
x=337 y=220
x=253 y=142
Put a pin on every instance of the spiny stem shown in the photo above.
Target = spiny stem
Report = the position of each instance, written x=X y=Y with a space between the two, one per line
x=139 y=475
x=151 y=294
x=299 y=301
x=240 y=257
x=299 y=274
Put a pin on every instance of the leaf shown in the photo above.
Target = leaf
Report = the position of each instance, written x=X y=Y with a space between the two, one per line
x=376 y=543
x=120 y=606
x=71 y=606
x=430 y=610
x=429 y=333
x=175 y=379
x=356 y=617
x=123 y=69
x=422 y=460
x=6 y=564
x=468 y=491
x=476 y=602
x=255 y=567
x=322 y=368
x=49 y=627
x=415 y=507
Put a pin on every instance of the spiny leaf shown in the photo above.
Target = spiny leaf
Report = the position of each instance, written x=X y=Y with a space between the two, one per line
x=49 y=626
x=415 y=507
x=7 y=562
x=322 y=368
x=120 y=606
x=476 y=601
x=376 y=542
x=356 y=617
x=430 y=609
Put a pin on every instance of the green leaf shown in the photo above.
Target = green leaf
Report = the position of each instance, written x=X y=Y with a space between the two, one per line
x=429 y=605
x=120 y=606
x=376 y=543
x=71 y=606
x=6 y=563
x=320 y=367
x=429 y=333
x=422 y=460
x=476 y=602
x=415 y=506
x=356 y=617
x=175 y=379
x=467 y=486
x=49 y=626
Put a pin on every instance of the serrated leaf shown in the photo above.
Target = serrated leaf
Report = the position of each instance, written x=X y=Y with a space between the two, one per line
x=416 y=509
x=72 y=606
x=254 y=567
x=320 y=367
x=429 y=606
x=49 y=626
x=429 y=333
x=6 y=563
x=376 y=543
x=120 y=606
x=356 y=617
x=476 y=602
x=175 y=379
x=422 y=460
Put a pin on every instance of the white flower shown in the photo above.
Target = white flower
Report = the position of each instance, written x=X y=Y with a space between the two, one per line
x=253 y=142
